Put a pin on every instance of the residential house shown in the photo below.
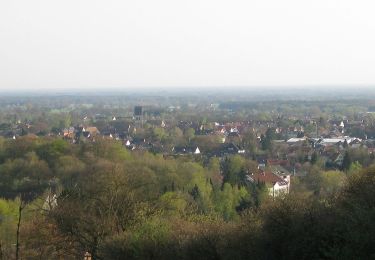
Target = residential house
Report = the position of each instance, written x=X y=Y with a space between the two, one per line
x=184 y=150
x=277 y=185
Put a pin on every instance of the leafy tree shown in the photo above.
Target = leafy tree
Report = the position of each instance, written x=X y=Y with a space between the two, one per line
x=159 y=133
x=111 y=150
x=51 y=151
x=103 y=206
x=8 y=226
x=266 y=140
x=68 y=168
x=214 y=173
x=175 y=203
x=249 y=142
x=226 y=202
x=355 y=167
x=233 y=169
x=189 y=134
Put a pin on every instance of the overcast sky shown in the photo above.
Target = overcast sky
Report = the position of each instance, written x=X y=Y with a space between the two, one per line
x=50 y=44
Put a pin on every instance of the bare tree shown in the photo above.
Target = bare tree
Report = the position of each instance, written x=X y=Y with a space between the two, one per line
x=20 y=209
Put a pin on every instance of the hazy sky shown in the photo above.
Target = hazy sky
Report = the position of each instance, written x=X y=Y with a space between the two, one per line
x=50 y=44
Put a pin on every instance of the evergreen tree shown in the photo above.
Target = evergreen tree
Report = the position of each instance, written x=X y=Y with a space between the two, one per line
x=347 y=161
x=173 y=186
x=195 y=192
x=314 y=158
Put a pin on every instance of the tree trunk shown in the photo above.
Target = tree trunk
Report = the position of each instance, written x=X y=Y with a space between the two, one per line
x=1 y=251
x=18 y=230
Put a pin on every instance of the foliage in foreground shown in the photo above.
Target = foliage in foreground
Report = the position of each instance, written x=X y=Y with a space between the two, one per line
x=120 y=205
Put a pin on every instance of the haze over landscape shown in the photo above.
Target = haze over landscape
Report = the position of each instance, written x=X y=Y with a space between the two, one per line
x=85 y=44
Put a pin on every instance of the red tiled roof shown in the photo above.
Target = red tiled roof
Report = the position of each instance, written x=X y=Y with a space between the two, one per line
x=266 y=177
x=277 y=162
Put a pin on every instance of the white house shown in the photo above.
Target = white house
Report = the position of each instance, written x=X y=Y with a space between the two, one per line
x=277 y=185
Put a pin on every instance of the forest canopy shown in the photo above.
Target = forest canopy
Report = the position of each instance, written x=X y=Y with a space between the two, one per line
x=115 y=204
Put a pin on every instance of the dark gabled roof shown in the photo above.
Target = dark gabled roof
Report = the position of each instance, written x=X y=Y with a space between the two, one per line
x=86 y=134
x=122 y=136
x=233 y=134
x=355 y=141
x=230 y=147
x=78 y=129
x=138 y=141
x=261 y=158
x=183 y=149
x=107 y=133
x=225 y=149
x=204 y=132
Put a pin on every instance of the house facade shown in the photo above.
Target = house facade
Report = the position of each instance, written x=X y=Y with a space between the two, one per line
x=276 y=185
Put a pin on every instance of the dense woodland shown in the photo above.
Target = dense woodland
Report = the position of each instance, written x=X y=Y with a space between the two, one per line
x=121 y=205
